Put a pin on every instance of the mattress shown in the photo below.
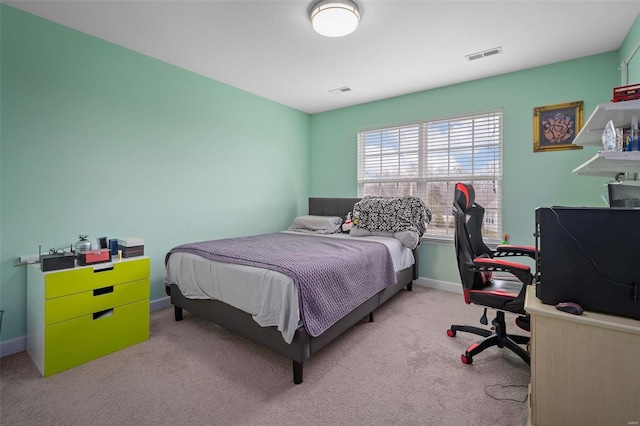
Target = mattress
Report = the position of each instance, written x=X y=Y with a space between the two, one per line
x=270 y=297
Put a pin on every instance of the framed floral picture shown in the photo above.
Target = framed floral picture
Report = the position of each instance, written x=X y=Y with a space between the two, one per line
x=556 y=126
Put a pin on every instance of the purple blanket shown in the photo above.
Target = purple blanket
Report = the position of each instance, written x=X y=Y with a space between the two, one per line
x=333 y=275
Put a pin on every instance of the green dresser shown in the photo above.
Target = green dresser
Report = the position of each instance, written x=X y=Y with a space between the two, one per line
x=77 y=315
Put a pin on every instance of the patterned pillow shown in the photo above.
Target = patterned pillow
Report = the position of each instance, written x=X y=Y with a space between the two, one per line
x=392 y=214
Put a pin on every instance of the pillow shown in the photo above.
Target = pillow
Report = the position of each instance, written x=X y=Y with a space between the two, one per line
x=404 y=218
x=392 y=214
x=361 y=232
x=408 y=238
x=316 y=224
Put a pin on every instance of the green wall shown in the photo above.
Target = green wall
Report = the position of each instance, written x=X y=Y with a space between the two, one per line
x=630 y=51
x=530 y=179
x=101 y=140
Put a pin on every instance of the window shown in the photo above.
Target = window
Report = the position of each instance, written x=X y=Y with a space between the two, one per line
x=427 y=159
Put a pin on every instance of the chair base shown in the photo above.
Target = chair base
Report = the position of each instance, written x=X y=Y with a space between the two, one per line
x=498 y=338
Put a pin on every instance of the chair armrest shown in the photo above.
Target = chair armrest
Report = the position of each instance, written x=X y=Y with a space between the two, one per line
x=522 y=272
x=513 y=250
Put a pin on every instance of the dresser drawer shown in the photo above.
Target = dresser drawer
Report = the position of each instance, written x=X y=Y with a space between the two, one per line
x=62 y=283
x=93 y=301
x=73 y=342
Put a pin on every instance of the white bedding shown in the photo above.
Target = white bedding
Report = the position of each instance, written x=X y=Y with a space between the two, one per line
x=270 y=297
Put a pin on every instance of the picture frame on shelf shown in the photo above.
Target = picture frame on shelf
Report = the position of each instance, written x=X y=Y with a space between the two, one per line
x=556 y=126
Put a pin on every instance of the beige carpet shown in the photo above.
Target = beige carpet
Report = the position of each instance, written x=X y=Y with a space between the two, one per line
x=402 y=369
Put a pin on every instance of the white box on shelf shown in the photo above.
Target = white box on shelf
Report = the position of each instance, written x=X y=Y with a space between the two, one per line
x=130 y=242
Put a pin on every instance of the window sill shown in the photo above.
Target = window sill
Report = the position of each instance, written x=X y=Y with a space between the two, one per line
x=449 y=242
x=436 y=240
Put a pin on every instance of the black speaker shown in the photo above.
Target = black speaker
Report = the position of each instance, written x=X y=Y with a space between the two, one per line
x=52 y=262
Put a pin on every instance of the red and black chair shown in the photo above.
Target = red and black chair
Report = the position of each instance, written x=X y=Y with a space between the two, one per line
x=476 y=264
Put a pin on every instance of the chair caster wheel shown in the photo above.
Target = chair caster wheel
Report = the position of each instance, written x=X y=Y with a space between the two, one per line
x=451 y=333
x=466 y=359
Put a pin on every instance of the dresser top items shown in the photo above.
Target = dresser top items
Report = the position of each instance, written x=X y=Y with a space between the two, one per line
x=84 y=254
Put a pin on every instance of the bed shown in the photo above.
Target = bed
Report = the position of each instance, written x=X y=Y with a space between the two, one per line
x=293 y=338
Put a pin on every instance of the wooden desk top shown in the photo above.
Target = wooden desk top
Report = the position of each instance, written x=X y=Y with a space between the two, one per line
x=533 y=305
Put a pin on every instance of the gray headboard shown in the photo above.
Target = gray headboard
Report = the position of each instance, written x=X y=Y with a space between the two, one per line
x=340 y=207
x=331 y=206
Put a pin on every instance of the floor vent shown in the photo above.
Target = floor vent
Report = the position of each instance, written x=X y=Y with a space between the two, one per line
x=480 y=55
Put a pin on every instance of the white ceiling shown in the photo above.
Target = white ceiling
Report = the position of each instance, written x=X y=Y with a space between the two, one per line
x=269 y=48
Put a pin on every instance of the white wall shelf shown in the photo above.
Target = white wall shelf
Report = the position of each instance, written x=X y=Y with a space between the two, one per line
x=607 y=163
x=619 y=112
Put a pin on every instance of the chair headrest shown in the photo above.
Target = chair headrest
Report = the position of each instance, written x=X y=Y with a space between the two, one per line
x=465 y=195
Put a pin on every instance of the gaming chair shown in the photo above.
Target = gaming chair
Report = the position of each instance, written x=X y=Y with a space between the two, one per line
x=476 y=264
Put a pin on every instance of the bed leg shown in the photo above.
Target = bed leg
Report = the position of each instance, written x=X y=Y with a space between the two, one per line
x=410 y=286
x=297 y=372
x=177 y=313
x=370 y=316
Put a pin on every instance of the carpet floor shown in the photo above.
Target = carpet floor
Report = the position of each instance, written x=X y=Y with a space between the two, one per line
x=401 y=369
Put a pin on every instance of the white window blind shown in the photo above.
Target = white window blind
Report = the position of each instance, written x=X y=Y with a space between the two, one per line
x=427 y=159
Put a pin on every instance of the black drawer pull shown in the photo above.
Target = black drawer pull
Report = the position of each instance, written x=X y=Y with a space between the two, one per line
x=110 y=268
x=102 y=314
x=104 y=290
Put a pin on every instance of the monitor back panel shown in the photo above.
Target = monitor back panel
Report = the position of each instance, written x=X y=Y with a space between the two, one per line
x=590 y=256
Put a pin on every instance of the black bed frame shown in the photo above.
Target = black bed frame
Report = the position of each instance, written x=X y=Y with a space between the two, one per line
x=303 y=345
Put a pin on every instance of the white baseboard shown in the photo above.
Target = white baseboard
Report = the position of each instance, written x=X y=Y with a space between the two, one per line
x=439 y=285
x=19 y=344
x=159 y=304
x=13 y=346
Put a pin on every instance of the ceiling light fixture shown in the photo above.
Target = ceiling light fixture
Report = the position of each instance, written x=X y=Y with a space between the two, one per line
x=335 y=18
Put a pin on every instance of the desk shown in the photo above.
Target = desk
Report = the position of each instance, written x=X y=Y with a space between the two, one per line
x=585 y=369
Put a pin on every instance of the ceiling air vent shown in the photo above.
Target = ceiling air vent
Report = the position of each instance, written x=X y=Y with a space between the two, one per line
x=480 y=55
x=340 y=90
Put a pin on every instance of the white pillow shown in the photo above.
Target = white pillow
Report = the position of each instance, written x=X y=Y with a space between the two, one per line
x=316 y=224
x=408 y=238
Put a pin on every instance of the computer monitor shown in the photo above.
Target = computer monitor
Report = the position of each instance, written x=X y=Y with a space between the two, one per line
x=624 y=194
x=590 y=256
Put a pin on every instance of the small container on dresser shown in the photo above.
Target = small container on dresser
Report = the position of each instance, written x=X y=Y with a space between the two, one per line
x=77 y=315
x=131 y=247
